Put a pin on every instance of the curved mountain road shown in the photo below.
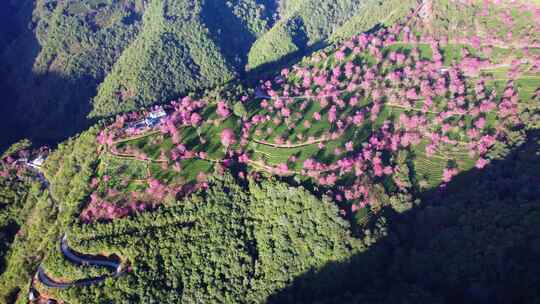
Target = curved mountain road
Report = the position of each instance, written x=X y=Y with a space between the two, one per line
x=75 y=258
x=47 y=281
x=83 y=260
x=86 y=260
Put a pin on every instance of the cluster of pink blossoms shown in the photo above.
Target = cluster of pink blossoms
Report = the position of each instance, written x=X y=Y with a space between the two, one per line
x=414 y=85
x=433 y=103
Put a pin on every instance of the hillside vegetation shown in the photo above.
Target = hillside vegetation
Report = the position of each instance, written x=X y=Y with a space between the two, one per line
x=397 y=164
x=35 y=215
x=62 y=61
x=308 y=25
x=222 y=241
x=394 y=110
x=183 y=46
x=58 y=54
x=186 y=46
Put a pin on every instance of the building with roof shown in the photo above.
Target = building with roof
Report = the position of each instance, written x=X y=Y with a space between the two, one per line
x=155 y=117
x=157 y=113
x=37 y=162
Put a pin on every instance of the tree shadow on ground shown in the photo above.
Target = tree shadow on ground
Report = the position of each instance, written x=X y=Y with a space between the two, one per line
x=46 y=108
x=54 y=109
x=477 y=241
x=228 y=32
x=268 y=69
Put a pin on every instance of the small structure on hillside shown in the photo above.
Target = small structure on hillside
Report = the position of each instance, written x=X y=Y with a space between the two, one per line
x=443 y=71
x=155 y=117
x=158 y=112
x=37 y=162
x=139 y=124
x=23 y=160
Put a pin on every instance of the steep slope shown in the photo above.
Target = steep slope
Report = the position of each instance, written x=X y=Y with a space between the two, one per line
x=392 y=110
x=308 y=24
x=47 y=209
x=374 y=14
x=51 y=70
x=208 y=48
x=70 y=47
x=216 y=246
x=183 y=46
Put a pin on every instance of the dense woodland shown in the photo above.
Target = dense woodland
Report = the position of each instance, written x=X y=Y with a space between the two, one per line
x=474 y=245
x=310 y=151
x=57 y=55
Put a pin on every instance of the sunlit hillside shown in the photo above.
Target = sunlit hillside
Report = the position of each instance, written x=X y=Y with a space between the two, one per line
x=389 y=154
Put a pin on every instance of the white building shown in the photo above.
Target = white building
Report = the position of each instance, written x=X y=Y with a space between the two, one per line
x=155 y=117
x=22 y=160
x=157 y=113
x=37 y=162
x=443 y=71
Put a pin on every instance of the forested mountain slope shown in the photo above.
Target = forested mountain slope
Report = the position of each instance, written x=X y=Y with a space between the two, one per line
x=64 y=60
x=60 y=52
x=191 y=45
x=306 y=25
x=183 y=46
